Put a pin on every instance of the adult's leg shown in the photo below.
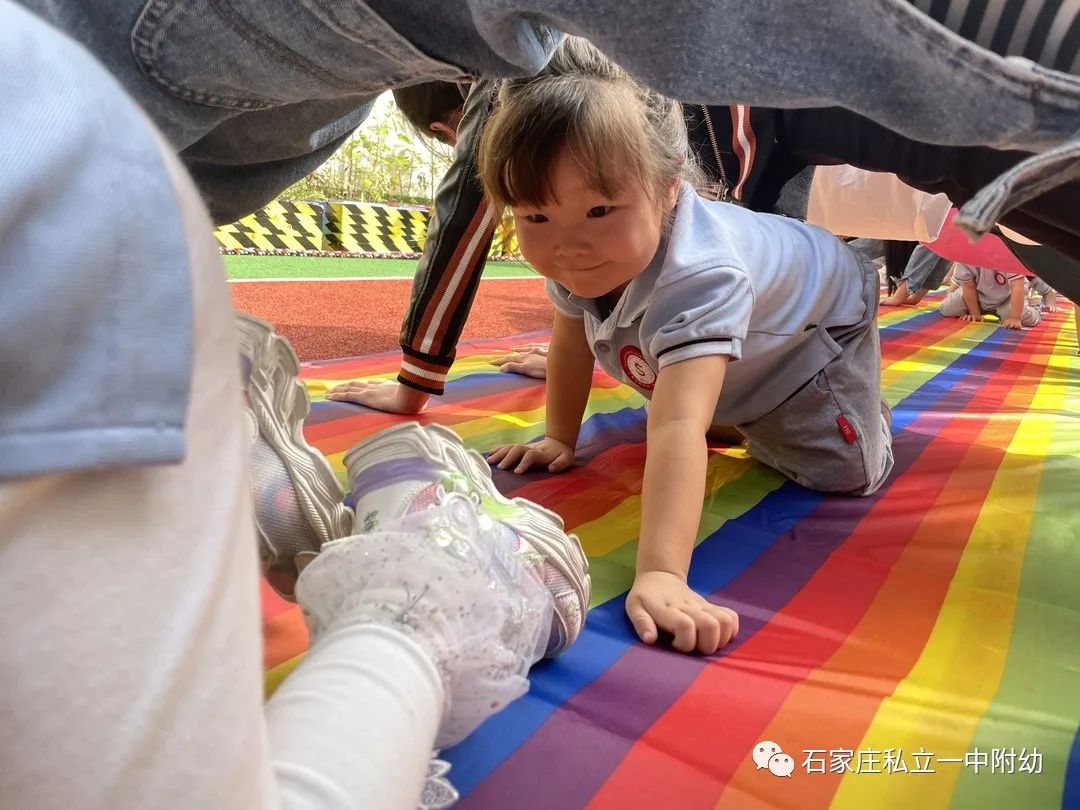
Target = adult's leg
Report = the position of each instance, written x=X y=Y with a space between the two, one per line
x=924 y=271
x=897 y=65
x=897 y=255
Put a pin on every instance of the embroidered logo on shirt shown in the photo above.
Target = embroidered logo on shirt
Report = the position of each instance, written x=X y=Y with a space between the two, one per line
x=636 y=368
x=848 y=432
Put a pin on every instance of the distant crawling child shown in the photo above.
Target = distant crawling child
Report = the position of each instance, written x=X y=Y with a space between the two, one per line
x=982 y=291
x=721 y=316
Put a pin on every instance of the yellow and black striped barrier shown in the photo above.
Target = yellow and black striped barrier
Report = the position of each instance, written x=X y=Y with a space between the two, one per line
x=376 y=228
x=344 y=227
x=282 y=225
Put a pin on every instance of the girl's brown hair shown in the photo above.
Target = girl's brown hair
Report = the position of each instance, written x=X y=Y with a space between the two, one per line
x=618 y=132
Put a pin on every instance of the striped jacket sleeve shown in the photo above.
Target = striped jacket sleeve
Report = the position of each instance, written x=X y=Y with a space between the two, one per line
x=455 y=252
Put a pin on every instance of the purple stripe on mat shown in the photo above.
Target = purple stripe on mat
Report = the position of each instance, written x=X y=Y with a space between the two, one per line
x=599 y=724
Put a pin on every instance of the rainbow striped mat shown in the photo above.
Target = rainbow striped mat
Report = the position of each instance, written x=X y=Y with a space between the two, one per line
x=916 y=649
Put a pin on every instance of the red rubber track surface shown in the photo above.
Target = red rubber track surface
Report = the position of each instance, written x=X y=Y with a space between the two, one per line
x=325 y=320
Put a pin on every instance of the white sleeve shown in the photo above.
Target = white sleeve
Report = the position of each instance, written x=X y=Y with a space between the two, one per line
x=353 y=727
x=703 y=314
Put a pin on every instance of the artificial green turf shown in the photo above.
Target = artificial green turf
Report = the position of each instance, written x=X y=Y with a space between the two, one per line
x=272 y=267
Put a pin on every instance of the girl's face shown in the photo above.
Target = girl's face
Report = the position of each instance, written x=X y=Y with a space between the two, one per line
x=588 y=243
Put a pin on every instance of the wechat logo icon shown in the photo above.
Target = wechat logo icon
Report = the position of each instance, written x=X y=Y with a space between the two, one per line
x=768 y=754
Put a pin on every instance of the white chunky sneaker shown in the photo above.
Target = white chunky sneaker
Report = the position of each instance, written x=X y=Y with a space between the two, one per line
x=298 y=501
x=409 y=467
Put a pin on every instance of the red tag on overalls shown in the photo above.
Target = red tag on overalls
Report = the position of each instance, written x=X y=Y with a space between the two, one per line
x=850 y=436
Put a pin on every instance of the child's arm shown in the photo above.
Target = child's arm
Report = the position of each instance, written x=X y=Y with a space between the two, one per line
x=1017 y=294
x=971 y=301
x=1049 y=300
x=569 y=380
x=680 y=414
x=459 y=214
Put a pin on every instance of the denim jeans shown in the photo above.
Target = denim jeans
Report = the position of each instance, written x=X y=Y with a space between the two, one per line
x=925 y=270
x=253 y=92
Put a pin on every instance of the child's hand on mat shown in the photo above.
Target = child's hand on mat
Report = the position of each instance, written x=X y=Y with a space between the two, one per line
x=972 y=318
x=551 y=453
x=1012 y=323
x=662 y=601
x=530 y=361
x=382 y=395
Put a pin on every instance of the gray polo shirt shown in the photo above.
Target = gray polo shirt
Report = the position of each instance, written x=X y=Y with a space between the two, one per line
x=992 y=286
x=762 y=289
x=95 y=286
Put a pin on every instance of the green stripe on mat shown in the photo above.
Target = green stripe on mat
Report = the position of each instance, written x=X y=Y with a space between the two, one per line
x=284 y=267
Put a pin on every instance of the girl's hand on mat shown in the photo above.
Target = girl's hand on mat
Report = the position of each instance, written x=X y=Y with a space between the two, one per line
x=662 y=601
x=972 y=318
x=531 y=361
x=1012 y=323
x=551 y=453
x=382 y=395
